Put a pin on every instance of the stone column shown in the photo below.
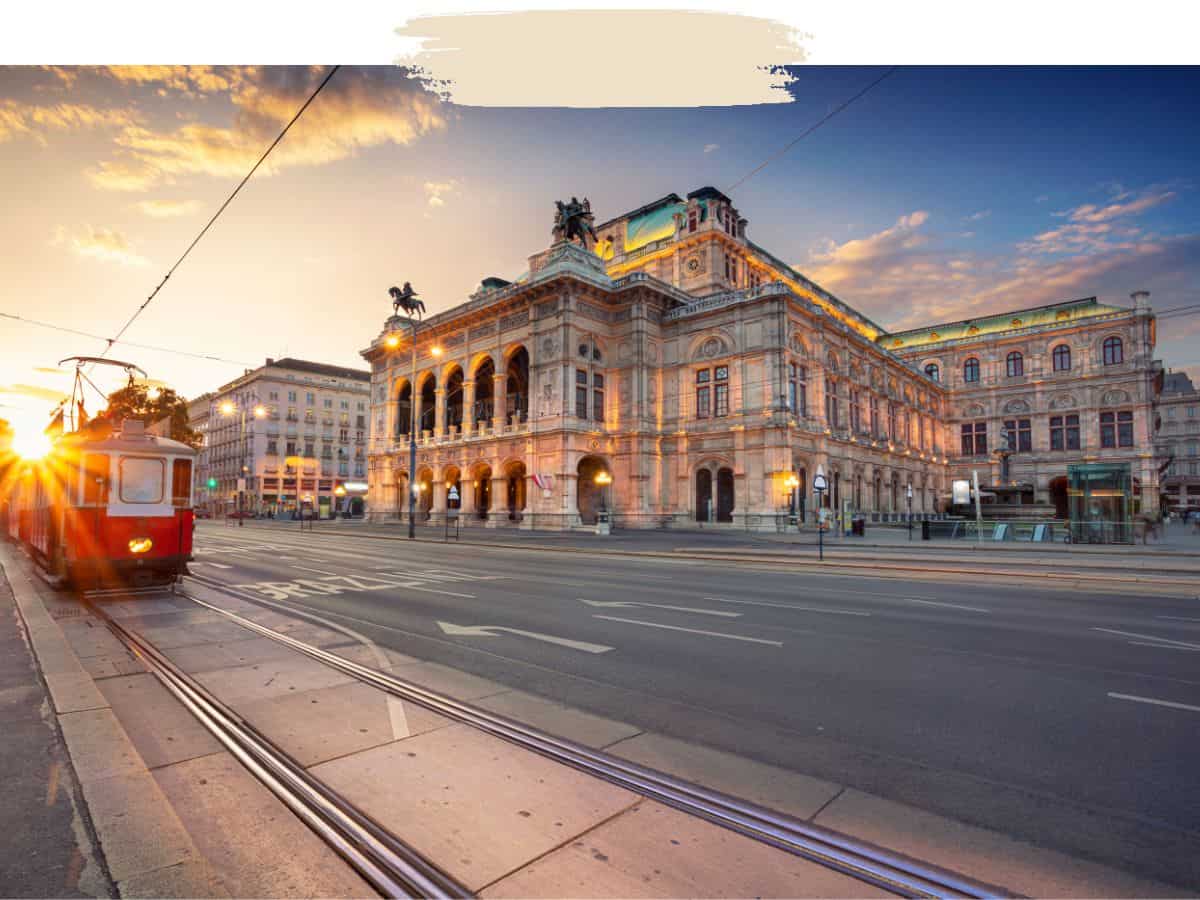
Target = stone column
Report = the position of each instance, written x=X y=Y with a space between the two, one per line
x=499 y=415
x=439 y=416
x=468 y=406
x=498 y=511
x=439 y=499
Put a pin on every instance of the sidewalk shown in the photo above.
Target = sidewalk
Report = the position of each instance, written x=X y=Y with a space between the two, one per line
x=49 y=848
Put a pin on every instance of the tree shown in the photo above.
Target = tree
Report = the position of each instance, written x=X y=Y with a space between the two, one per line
x=136 y=401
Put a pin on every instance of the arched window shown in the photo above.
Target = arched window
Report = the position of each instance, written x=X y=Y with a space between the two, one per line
x=1114 y=351
x=971 y=370
x=933 y=371
x=1016 y=364
x=1062 y=358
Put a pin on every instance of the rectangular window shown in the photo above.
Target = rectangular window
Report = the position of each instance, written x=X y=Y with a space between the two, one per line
x=598 y=397
x=273 y=395
x=831 y=404
x=875 y=416
x=95 y=479
x=310 y=399
x=703 y=409
x=891 y=420
x=581 y=397
x=974 y=439
x=141 y=479
x=855 y=411
x=721 y=399
x=1116 y=429
x=329 y=403
x=291 y=396
x=181 y=482
x=1020 y=435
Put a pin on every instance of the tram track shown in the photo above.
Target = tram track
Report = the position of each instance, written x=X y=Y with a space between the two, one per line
x=873 y=865
x=385 y=861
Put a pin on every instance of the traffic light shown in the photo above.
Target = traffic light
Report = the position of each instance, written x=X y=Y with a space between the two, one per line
x=212 y=483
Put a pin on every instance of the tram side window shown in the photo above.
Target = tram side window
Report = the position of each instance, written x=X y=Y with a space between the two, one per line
x=181 y=482
x=141 y=480
x=95 y=479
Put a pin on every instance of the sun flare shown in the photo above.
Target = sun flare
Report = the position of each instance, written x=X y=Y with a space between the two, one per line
x=30 y=444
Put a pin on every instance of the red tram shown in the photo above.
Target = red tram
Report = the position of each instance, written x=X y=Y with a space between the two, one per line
x=111 y=510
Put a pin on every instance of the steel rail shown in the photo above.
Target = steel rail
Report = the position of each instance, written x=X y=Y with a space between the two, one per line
x=387 y=863
x=874 y=865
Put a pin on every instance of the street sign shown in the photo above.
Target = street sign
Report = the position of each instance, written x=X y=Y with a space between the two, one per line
x=960 y=490
x=452 y=494
x=241 y=484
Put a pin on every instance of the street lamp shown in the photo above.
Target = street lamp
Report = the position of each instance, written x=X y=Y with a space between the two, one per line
x=908 y=494
x=791 y=482
x=819 y=485
x=603 y=480
x=340 y=492
x=228 y=408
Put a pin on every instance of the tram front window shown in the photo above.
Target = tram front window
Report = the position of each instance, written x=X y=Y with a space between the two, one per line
x=141 y=480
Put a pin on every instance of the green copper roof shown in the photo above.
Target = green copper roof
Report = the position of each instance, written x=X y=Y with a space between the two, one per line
x=1053 y=314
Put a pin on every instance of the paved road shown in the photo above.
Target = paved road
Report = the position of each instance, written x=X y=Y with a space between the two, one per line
x=1063 y=718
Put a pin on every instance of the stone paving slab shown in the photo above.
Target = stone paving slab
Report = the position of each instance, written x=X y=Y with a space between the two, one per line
x=445 y=680
x=117 y=664
x=477 y=806
x=260 y=848
x=986 y=855
x=655 y=851
x=99 y=746
x=161 y=729
x=169 y=637
x=243 y=684
x=88 y=637
x=797 y=795
x=557 y=719
x=191 y=878
x=320 y=725
x=252 y=650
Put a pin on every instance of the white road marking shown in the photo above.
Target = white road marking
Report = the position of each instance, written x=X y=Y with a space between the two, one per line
x=490 y=631
x=821 y=609
x=1150 y=637
x=1154 y=702
x=413 y=587
x=1163 y=646
x=1178 y=618
x=732 y=637
x=318 y=571
x=686 y=609
x=951 y=605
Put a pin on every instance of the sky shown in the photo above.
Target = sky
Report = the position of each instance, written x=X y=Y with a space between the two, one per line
x=942 y=193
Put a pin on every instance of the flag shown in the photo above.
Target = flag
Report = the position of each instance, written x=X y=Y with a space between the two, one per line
x=55 y=428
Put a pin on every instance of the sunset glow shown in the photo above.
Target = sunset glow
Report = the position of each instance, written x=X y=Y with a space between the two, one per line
x=30 y=444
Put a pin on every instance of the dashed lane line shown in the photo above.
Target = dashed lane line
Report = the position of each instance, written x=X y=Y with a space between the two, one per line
x=1152 y=701
x=817 y=609
x=718 y=634
x=950 y=605
x=1158 y=641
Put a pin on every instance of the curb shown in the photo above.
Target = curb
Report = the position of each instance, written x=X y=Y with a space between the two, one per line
x=146 y=849
x=875 y=567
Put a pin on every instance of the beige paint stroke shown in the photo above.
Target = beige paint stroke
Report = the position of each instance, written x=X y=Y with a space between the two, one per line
x=606 y=58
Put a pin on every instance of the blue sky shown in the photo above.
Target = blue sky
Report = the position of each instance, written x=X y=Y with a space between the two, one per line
x=942 y=193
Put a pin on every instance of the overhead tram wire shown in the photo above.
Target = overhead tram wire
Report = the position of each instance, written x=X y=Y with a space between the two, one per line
x=216 y=215
x=100 y=337
x=788 y=146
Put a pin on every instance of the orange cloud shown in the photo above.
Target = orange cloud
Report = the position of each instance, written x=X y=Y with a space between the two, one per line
x=165 y=209
x=360 y=108
x=104 y=244
x=33 y=121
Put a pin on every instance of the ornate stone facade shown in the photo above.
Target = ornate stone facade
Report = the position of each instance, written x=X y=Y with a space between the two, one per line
x=706 y=377
x=1178 y=440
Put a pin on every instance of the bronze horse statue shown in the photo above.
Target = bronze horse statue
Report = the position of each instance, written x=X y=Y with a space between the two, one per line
x=574 y=220
x=405 y=299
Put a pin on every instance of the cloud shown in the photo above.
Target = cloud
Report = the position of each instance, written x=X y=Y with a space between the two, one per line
x=905 y=277
x=104 y=244
x=33 y=391
x=359 y=109
x=192 y=80
x=437 y=191
x=709 y=148
x=1091 y=228
x=166 y=209
x=26 y=120
x=1092 y=213
x=975 y=217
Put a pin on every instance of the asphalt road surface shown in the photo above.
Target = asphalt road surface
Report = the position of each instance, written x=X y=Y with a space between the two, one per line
x=1067 y=718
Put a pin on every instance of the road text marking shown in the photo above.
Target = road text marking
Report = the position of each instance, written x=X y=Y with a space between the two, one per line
x=732 y=637
x=1154 y=702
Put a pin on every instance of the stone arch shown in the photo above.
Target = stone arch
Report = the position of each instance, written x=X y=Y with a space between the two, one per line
x=516 y=383
x=481 y=485
x=974 y=410
x=453 y=382
x=402 y=401
x=1016 y=405
x=798 y=345
x=424 y=487
x=1063 y=401
x=831 y=361
x=485 y=406
x=591 y=497
x=712 y=344
x=426 y=400
x=1114 y=398
x=515 y=482
x=452 y=478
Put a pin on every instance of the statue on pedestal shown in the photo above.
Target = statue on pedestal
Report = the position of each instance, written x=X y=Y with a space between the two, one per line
x=574 y=220
x=405 y=298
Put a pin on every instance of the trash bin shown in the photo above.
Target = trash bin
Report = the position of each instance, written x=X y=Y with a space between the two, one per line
x=858 y=526
x=925 y=529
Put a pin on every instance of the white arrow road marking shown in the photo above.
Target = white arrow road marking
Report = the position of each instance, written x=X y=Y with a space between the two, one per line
x=490 y=631
x=836 y=612
x=686 y=609
x=732 y=637
x=1151 y=637
x=1153 y=701
x=213 y=564
x=951 y=605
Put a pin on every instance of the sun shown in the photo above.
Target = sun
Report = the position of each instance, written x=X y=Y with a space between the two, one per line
x=30 y=444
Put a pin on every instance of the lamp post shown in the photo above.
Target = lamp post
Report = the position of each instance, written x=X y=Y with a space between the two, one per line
x=340 y=493
x=791 y=482
x=819 y=486
x=228 y=408
x=908 y=494
x=603 y=480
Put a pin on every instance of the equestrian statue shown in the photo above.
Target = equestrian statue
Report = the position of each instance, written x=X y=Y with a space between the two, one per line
x=574 y=220
x=406 y=298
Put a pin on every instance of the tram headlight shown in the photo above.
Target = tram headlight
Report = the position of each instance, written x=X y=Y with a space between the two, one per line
x=140 y=545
